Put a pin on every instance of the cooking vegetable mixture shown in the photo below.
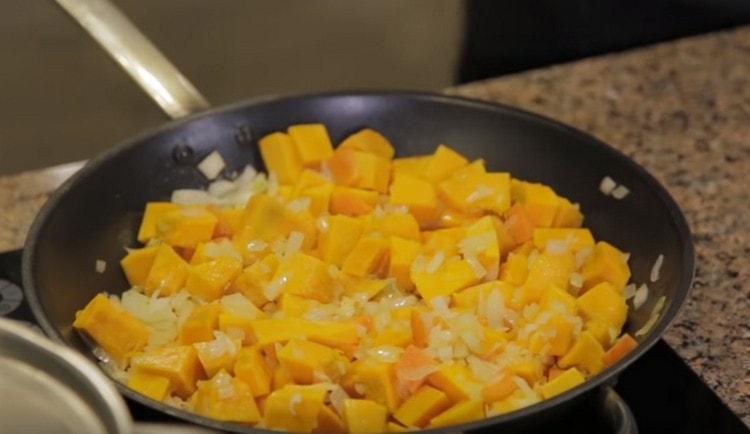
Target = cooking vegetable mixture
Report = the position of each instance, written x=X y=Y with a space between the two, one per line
x=351 y=291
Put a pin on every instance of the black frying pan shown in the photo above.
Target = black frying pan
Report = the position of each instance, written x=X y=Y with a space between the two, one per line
x=96 y=213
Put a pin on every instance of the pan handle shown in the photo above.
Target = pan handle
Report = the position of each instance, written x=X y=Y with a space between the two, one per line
x=156 y=75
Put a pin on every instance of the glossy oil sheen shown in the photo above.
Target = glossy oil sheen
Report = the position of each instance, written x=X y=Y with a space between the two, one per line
x=96 y=213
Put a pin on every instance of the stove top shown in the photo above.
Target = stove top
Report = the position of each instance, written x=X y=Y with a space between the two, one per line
x=663 y=393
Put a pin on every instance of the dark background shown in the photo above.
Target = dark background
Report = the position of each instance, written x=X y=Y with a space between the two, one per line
x=62 y=99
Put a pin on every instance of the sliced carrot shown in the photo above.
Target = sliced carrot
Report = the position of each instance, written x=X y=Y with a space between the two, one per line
x=413 y=368
x=621 y=347
x=519 y=224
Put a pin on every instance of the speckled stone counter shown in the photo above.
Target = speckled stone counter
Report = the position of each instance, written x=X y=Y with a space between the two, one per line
x=682 y=110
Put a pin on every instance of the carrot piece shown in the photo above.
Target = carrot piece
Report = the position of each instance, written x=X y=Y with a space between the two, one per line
x=519 y=224
x=621 y=347
x=413 y=368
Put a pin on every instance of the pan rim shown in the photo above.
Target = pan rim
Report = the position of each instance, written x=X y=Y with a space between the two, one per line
x=677 y=219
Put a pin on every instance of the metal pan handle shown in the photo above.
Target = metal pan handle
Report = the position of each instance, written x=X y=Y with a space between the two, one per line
x=618 y=412
x=156 y=75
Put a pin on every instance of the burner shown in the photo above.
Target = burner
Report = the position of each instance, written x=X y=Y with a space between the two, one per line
x=663 y=393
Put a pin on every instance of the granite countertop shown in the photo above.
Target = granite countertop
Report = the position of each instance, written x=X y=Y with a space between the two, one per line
x=682 y=110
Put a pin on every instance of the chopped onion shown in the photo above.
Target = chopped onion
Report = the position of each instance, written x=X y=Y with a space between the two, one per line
x=256 y=246
x=190 y=197
x=641 y=295
x=273 y=289
x=557 y=247
x=629 y=291
x=212 y=165
x=576 y=280
x=652 y=319
x=620 y=192
x=100 y=266
x=480 y=192
x=607 y=185
x=656 y=269
x=476 y=266
x=298 y=205
x=294 y=401
x=435 y=262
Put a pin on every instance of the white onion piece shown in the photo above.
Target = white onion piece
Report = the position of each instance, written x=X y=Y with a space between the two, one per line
x=641 y=295
x=656 y=269
x=652 y=319
x=629 y=291
x=212 y=165
x=607 y=185
x=620 y=192
x=100 y=266
x=190 y=197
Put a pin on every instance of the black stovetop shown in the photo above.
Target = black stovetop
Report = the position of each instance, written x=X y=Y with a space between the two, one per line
x=664 y=394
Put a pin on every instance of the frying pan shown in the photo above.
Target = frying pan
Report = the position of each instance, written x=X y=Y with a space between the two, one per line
x=96 y=212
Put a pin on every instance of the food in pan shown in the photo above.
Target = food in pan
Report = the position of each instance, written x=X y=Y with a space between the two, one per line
x=351 y=291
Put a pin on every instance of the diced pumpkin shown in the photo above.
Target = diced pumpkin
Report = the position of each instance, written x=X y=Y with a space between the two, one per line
x=605 y=304
x=311 y=143
x=366 y=256
x=340 y=238
x=114 y=329
x=305 y=276
x=568 y=215
x=423 y=405
x=471 y=189
x=200 y=325
x=377 y=382
x=294 y=408
x=363 y=416
x=369 y=140
x=402 y=225
x=151 y=215
x=217 y=354
x=214 y=249
x=413 y=166
x=137 y=263
x=554 y=338
x=251 y=368
x=337 y=334
x=605 y=264
x=445 y=241
x=402 y=254
x=280 y=157
x=228 y=221
x=515 y=269
x=306 y=361
x=208 y=281
x=586 y=354
x=153 y=386
x=352 y=201
x=519 y=225
x=561 y=383
x=186 y=226
x=539 y=201
x=226 y=398
x=575 y=239
x=254 y=278
x=452 y=276
x=329 y=422
x=362 y=285
x=168 y=272
x=360 y=169
x=418 y=195
x=463 y=412
x=551 y=269
x=443 y=162
x=481 y=243
x=457 y=381
x=320 y=198
x=179 y=364
x=500 y=388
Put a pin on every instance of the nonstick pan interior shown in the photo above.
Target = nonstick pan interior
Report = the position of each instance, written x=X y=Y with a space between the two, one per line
x=96 y=214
